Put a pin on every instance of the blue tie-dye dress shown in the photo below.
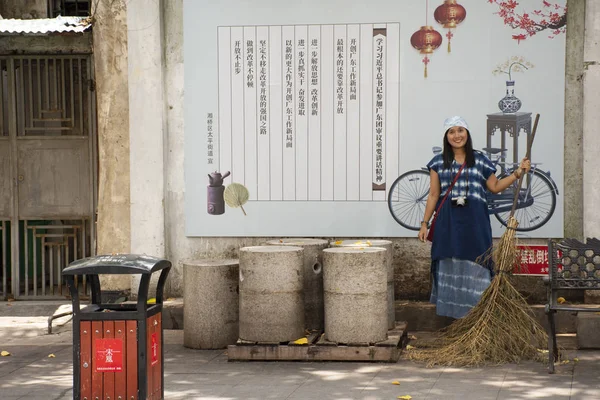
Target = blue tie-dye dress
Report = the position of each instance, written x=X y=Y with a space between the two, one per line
x=462 y=238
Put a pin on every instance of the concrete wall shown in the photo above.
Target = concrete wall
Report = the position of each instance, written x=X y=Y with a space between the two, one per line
x=112 y=98
x=60 y=44
x=24 y=9
x=591 y=120
x=573 y=162
x=147 y=128
x=411 y=258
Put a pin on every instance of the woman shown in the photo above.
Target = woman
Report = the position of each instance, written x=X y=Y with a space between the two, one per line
x=462 y=238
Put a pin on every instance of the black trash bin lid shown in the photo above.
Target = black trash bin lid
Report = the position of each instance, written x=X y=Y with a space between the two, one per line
x=118 y=264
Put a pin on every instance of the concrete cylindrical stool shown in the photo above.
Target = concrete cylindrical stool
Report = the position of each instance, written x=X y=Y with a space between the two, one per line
x=355 y=281
x=210 y=303
x=271 y=293
x=389 y=246
x=313 y=278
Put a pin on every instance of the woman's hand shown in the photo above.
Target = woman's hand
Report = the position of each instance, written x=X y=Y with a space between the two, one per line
x=423 y=232
x=524 y=166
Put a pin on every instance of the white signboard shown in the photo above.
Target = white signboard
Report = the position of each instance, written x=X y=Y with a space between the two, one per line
x=314 y=110
x=309 y=112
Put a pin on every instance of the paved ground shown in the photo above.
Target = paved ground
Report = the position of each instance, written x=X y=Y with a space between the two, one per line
x=28 y=373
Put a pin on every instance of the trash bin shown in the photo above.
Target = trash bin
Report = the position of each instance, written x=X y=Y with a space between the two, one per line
x=118 y=348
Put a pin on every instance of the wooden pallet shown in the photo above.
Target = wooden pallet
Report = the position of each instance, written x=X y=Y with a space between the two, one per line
x=319 y=349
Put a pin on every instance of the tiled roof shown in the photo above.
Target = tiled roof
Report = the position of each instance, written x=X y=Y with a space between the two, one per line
x=46 y=25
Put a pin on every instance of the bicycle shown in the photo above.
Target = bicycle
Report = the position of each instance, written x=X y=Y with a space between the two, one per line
x=535 y=205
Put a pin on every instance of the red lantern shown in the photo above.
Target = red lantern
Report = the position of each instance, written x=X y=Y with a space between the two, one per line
x=450 y=14
x=426 y=40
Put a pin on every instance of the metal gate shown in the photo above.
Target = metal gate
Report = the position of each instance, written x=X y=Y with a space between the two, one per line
x=47 y=171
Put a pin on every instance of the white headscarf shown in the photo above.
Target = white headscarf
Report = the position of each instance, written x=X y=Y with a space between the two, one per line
x=455 y=121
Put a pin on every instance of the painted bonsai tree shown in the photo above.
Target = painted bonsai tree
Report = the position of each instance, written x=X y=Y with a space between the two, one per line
x=549 y=16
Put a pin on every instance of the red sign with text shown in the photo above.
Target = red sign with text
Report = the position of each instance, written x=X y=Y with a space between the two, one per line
x=533 y=260
x=154 y=347
x=109 y=355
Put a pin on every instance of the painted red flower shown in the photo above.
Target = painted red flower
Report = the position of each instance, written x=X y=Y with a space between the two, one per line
x=551 y=16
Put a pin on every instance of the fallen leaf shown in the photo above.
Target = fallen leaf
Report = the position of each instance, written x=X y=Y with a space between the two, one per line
x=280 y=241
x=576 y=359
x=412 y=337
x=542 y=351
x=409 y=347
x=565 y=362
x=395 y=383
x=560 y=300
x=301 y=341
x=405 y=397
x=4 y=353
x=51 y=356
x=337 y=242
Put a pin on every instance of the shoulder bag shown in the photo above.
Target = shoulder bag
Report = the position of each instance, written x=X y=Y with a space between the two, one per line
x=432 y=227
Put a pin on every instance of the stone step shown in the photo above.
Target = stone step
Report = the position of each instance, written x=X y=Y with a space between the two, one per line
x=419 y=315
x=588 y=326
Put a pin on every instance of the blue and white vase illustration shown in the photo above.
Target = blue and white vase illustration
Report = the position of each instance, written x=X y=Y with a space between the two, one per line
x=509 y=104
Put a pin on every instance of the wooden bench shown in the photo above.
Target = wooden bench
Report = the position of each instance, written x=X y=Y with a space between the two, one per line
x=573 y=265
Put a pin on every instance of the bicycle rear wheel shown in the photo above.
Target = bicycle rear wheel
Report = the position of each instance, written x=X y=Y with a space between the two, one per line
x=407 y=198
x=535 y=215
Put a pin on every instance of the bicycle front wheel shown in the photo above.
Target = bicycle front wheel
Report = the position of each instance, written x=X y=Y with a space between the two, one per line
x=535 y=207
x=407 y=198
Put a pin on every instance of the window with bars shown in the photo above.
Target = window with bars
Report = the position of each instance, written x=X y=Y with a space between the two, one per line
x=69 y=8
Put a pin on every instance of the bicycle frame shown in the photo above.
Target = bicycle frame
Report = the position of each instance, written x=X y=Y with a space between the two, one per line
x=503 y=201
x=536 y=198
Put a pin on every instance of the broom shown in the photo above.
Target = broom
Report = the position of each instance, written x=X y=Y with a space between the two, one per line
x=501 y=328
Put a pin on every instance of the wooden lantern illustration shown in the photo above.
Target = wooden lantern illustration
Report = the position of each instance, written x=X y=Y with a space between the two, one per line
x=426 y=40
x=450 y=14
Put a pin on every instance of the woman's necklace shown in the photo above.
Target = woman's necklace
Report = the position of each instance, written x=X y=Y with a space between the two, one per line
x=460 y=200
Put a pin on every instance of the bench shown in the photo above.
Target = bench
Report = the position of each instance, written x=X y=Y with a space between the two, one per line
x=573 y=265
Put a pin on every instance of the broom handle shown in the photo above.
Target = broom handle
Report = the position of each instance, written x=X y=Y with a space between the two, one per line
x=528 y=155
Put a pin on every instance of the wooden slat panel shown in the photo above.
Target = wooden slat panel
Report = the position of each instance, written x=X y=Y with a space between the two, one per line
x=86 y=359
x=157 y=372
x=132 y=356
x=313 y=353
x=149 y=331
x=109 y=377
x=96 y=376
x=385 y=351
x=121 y=377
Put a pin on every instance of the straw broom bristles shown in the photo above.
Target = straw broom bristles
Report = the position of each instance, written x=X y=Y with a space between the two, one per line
x=501 y=328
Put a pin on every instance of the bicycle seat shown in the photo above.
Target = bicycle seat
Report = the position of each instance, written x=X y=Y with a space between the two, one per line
x=493 y=150
x=436 y=149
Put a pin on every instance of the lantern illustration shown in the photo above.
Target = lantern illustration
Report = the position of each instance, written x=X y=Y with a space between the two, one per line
x=426 y=40
x=450 y=14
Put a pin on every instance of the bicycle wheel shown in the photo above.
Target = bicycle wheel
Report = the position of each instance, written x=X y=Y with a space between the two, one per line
x=543 y=203
x=407 y=198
